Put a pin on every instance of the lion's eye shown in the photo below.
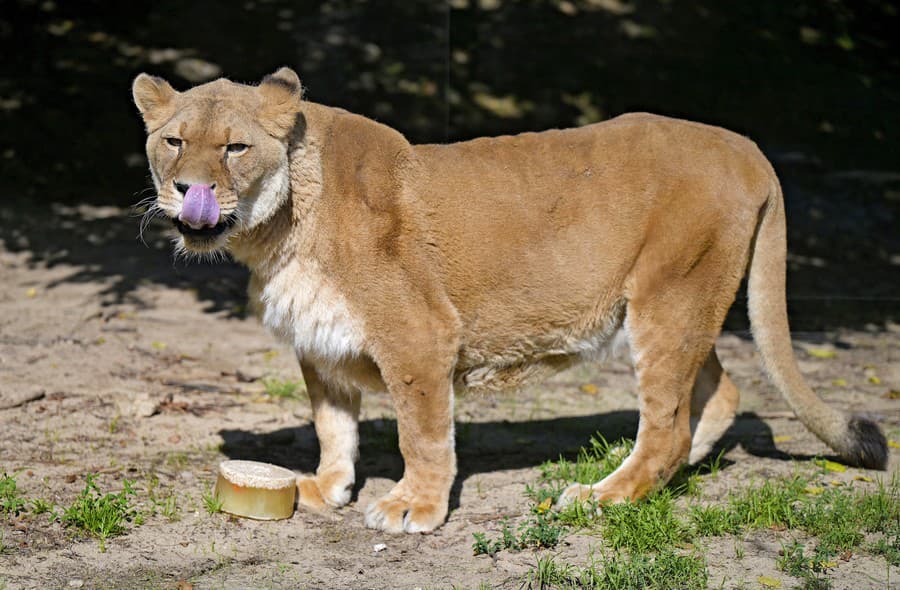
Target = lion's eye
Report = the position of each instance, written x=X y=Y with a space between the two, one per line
x=174 y=142
x=236 y=148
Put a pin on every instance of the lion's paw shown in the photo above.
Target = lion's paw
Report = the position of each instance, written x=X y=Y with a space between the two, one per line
x=574 y=493
x=396 y=514
x=325 y=490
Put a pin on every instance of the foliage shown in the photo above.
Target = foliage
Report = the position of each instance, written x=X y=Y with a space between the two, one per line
x=211 y=502
x=102 y=515
x=283 y=389
x=11 y=502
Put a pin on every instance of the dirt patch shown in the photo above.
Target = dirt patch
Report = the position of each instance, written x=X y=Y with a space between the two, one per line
x=158 y=382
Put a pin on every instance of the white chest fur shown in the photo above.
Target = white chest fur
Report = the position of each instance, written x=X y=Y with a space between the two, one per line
x=299 y=305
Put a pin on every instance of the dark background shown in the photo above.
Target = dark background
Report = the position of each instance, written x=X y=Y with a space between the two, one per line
x=815 y=82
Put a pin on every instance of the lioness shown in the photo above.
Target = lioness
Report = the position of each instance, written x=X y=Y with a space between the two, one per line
x=478 y=265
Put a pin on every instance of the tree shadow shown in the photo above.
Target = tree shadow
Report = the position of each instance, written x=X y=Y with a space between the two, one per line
x=485 y=447
x=101 y=245
x=815 y=84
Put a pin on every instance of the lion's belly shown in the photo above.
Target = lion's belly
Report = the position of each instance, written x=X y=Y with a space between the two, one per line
x=489 y=365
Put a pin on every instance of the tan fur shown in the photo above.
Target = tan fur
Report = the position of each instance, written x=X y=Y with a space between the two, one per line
x=414 y=269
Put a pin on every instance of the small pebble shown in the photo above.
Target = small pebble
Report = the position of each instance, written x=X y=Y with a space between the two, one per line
x=379 y=547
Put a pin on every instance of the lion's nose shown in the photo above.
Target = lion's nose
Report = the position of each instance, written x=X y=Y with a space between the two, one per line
x=182 y=187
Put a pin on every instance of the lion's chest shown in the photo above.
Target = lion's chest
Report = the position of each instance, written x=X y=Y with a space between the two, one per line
x=299 y=305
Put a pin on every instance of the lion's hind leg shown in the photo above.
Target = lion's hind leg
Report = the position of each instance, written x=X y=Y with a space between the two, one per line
x=672 y=322
x=713 y=405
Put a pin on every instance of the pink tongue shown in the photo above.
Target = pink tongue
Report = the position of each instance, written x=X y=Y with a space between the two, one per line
x=200 y=207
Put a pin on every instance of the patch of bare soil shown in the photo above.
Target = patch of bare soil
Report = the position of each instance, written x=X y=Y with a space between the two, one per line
x=158 y=382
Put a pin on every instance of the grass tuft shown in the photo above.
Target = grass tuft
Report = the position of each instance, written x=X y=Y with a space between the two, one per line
x=650 y=525
x=211 y=502
x=283 y=389
x=809 y=568
x=768 y=505
x=593 y=463
x=11 y=502
x=547 y=573
x=663 y=571
x=102 y=515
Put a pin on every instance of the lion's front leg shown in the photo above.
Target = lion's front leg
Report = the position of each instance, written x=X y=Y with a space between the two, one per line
x=422 y=391
x=336 y=416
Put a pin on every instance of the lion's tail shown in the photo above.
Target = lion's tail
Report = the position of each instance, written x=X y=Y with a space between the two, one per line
x=858 y=441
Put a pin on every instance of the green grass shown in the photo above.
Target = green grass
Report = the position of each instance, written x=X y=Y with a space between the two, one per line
x=211 y=502
x=593 y=463
x=283 y=389
x=162 y=502
x=768 y=505
x=177 y=460
x=651 y=525
x=11 y=502
x=540 y=530
x=545 y=527
x=102 y=515
x=794 y=561
x=664 y=571
x=647 y=541
x=888 y=547
x=41 y=506
x=712 y=520
x=547 y=573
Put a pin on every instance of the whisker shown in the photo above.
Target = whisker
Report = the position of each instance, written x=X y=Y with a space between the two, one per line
x=152 y=212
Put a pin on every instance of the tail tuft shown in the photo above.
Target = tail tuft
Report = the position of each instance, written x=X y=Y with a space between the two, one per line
x=868 y=447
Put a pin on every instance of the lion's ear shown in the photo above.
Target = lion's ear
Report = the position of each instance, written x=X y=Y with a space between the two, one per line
x=155 y=99
x=281 y=95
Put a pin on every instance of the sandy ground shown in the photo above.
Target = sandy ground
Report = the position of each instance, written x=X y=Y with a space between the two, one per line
x=120 y=364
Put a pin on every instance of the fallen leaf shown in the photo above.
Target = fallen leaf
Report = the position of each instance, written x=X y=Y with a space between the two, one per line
x=821 y=353
x=590 y=388
x=31 y=292
x=831 y=466
x=892 y=394
x=184 y=585
x=827 y=564
x=769 y=582
x=863 y=478
x=893 y=444
x=270 y=354
x=544 y=506
x=158 y=345
x=839 y=382
x=782 y=438
x=835 y=483
x=874 y=380
x=813 y=490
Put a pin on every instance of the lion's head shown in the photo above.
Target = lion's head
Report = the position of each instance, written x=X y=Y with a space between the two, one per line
x=219 y=152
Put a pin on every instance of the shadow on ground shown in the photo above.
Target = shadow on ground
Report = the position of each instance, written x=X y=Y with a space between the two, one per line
x=483 y=447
